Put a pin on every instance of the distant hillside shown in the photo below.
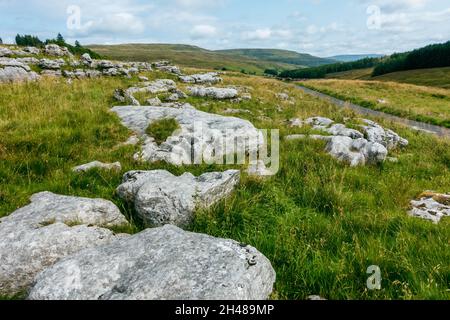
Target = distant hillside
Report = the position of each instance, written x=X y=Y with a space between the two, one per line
x=354 y=57
x=189 y=56
x=435 y=77
x=432 y=56
x=280 y=56
x=322 y=71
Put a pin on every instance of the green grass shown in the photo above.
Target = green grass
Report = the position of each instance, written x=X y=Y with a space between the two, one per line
x=319 y=222
x=162 y=129
x=189 y=56
x=357 y=74
x=435 y=77
x=424 y=104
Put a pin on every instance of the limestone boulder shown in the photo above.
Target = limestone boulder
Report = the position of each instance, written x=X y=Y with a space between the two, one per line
x=164 y=263
x=49 y=228
x=161 y=198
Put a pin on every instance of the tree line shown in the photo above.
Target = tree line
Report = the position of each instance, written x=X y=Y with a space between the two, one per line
x=33 y=41
x=322 y=71
x=432 y=56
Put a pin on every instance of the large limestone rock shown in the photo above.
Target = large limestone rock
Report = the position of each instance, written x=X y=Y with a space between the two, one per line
x=50 y=228
x=164 y=263
x=356 y=152
x=57 y=51
x=199 y=133
x=165 y=66
x=213 y=92
x=161 y=198
x=388 y=138
x=5 y=52
x=210 y=78
x=32 y=50
x=350 y=145
x=431 y=206
x=17 y=74
x=52 y=64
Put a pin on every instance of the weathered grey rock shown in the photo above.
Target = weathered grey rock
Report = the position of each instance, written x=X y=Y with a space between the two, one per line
x=126 y=97
x=28 y=60
x=209 y=78
x=283 y=96
x=388 y=138
x=111 y=72
x=86 y=59
x=11 y=62
x=212 y=92
x=51 y=64
x=57 y=51
x=431 y=206
x=51 y=73
x=32 y=50
x=156 y=102
x=142 y=78
x=315 y=298
x=5 y=52
x=342 y=130
x=98 y=165
x=356 y=152
x=154 y=87
x=17 y=74
x=199 y=133
x=50 y=228
x=165 y=66
x=164 y=263
x=161 y=198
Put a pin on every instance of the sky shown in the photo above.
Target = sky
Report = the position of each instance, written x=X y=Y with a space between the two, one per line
x=319 y=27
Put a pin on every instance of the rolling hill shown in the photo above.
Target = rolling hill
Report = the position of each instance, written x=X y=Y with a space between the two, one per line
x=192 y=56
x=280 y=56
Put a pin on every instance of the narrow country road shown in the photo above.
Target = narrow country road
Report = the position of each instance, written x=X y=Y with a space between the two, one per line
x=421 y=126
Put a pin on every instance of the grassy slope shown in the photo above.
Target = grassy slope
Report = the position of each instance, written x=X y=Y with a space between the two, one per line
x=357 y=74
x=281 y=56
x=426 y=104
x=435 y=77
x=319 y=222
x=189 y=56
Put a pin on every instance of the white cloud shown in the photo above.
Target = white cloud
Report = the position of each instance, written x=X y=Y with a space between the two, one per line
x=203 y=31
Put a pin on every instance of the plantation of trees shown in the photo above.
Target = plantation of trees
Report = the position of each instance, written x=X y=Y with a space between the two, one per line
x=432 y=56
x=322 y=71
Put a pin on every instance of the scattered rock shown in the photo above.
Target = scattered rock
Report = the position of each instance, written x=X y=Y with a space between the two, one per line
x=17 y=74
x=315 y=298
x=164 y=263
x=50 y=228
x=165 y=66
x=199 y=133
x=235 y=111
x=5 y=52
x=356 y=152
x=431 y=206
x=154 y=102
x=32 y=50
x=209 y=78
x=51 y=73
x=161 y=198
x=51 y=64
x=86 y=59
x=283 y=96
x=98 y=165
x=212 y=92
x=57 y=51
x=388 y=138
x=142 y=78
